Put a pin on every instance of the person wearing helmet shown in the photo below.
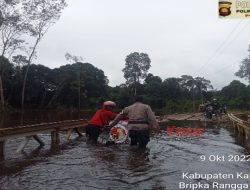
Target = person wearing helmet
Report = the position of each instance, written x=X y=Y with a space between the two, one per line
x=216 y=107
x=141 y=118
x=101 y=118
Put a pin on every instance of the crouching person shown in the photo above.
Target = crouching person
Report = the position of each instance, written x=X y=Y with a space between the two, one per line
x=141 y=119
x=101 y=118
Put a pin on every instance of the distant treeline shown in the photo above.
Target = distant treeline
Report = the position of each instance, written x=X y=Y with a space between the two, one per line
x=23 y=85
x=82 y=85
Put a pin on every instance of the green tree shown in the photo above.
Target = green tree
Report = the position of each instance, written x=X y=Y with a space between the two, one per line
x=124 y=97
x=93 y=83
x=1 y=18
x=11 y=34
x=197 y=85
x=76 y=59
x=173 y=90
x=73 y=58
x=244 y=71
x=6 y=73
x=136 y=68
x=235 y=95
x=19 y=62
x=39 y=85
x=202 y=86
x=13 y=27
x=41 y=15
x=154 y=91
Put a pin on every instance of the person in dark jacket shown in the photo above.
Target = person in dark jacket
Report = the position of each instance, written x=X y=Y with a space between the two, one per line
x=216 y=107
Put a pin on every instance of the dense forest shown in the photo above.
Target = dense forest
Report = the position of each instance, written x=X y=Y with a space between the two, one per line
x=84 y=85
x=26 y=85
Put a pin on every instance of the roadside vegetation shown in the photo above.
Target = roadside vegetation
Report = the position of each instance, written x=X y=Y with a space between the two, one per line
x=81 y=85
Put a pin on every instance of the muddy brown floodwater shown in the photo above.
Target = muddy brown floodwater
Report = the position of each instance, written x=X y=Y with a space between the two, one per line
x=84 y=166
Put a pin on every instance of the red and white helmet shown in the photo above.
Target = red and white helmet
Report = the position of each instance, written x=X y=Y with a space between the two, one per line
x=109 y=103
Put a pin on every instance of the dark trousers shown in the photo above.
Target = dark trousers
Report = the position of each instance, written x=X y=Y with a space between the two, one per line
x=93 y=132
x=139 y=137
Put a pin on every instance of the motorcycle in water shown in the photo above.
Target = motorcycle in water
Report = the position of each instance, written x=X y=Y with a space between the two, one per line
x=209 y=112
x=116 y=135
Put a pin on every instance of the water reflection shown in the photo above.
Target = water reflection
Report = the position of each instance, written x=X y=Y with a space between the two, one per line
x=137 y=158
x=86 y=166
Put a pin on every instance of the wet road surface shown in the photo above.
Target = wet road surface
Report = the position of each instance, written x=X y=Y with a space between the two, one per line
x=86 y=166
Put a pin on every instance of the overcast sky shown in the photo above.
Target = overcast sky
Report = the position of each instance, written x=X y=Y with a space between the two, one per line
x=180 y=37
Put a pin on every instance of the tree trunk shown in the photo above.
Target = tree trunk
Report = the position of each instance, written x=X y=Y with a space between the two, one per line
x=25 y=76
x=79 y=95
x=23 y=93
x=135 y=92
x=193 y=97
x=201 y=96
x=24 y=86
x=43 y=99
x=1 y=94
x=56 y=94
x=1 y=18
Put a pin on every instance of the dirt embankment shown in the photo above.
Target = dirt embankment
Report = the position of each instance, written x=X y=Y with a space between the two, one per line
x=191 y=117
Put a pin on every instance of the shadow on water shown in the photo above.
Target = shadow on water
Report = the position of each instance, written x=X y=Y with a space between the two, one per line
x=78 y=165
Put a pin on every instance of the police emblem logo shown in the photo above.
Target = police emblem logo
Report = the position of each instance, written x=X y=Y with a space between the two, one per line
x=224 y=8
x=118 y=133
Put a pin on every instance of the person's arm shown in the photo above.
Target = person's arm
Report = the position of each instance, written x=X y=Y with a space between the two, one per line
x=116 y=120
x=112 y=115
x=119 y=117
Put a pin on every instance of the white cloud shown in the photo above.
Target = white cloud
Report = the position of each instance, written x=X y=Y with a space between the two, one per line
x=179 y=37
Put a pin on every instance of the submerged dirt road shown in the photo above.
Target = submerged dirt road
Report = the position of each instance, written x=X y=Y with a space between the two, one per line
x=84 y=166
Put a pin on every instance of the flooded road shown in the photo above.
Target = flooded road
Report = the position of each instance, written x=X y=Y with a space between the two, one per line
x=161 y=166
